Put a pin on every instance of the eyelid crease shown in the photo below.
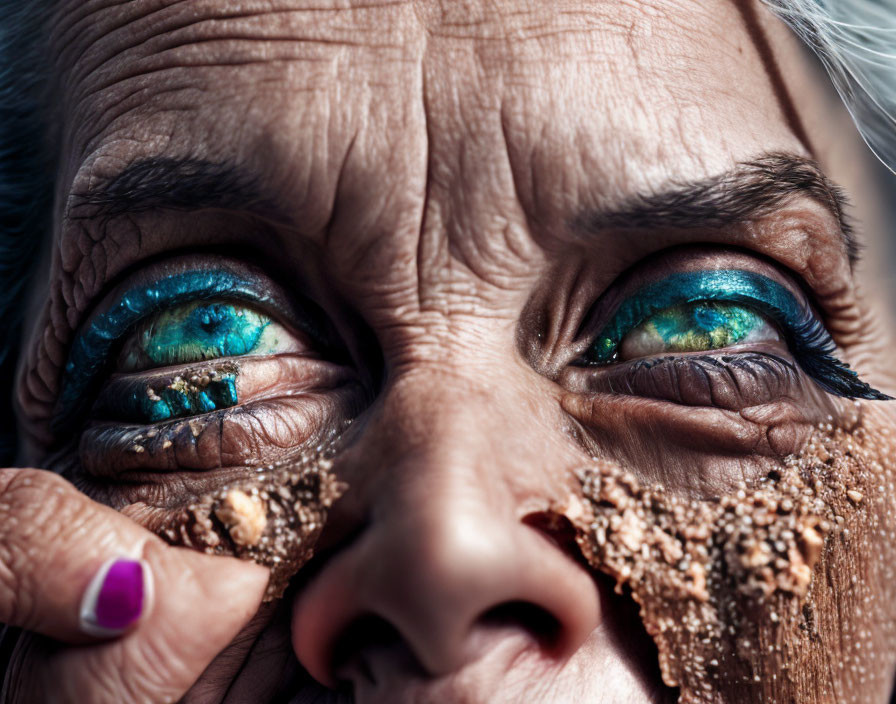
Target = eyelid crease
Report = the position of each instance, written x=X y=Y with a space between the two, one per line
x=93 y=346
x=809 y=340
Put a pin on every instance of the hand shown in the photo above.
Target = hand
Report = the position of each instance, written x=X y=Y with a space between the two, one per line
x=125 y=616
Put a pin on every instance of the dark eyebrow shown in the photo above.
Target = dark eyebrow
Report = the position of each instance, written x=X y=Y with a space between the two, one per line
x=174 y=184
x=751 y=190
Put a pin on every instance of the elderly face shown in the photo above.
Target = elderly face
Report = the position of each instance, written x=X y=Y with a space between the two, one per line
x=516 y=245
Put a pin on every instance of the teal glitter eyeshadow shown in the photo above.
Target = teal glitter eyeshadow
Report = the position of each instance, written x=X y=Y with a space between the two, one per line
x=182 y=398
x=809 y=341
x=92 y=348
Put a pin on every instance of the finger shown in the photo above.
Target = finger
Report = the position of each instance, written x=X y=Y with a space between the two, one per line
x=73 y=569
x=200 y=606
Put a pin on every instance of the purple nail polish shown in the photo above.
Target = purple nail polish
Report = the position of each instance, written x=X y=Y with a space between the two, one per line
x=115 y=598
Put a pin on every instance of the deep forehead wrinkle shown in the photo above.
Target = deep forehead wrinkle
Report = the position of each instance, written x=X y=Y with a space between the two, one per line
x=445 y=124
x=161 y=34
x=144 y=27
x=121 y=45
x=123 y=25
x=772 y=68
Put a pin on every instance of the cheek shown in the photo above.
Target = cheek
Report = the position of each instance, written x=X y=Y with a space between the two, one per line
x=273 y=518
x=779 y=592
x=697 y=451
x=851 y=610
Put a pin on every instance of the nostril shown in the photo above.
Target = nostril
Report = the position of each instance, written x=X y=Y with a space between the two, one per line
x=371 y=656
x=365 y=641
x=370 y=642
x=556 y=527
x=535 y=621
x=454 y=590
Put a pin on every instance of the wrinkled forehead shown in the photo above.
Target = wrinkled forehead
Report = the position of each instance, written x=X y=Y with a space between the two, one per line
x=625 y=95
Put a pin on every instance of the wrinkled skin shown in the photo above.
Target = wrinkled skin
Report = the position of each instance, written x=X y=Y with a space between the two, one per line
x=424 y=173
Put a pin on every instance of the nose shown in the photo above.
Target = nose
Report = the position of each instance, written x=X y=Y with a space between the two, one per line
x=445 y=562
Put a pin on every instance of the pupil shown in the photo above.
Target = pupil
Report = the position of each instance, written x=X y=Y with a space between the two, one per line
x=708 y=319
x=211 y=317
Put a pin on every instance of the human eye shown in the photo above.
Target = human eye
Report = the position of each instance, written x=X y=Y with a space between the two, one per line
x=696 y=327
x=183 y=344
x=724 y=310
x=200 y=331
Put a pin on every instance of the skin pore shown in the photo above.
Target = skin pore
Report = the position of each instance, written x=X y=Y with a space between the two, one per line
x=405 y=228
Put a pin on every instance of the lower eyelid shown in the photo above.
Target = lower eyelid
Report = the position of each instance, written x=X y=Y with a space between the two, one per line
x=282 y=418
x=257 y=433
x=190 y=391
x=732 y=380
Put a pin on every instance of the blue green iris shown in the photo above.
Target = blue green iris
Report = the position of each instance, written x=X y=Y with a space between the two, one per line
x=695 y=327
x=196 y=332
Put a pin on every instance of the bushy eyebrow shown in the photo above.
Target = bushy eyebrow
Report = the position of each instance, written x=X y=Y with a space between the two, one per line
x=158 y=183
x=751 y=190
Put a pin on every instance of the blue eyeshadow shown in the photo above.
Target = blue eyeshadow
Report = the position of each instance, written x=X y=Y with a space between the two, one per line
x=179 y=399
x=92 y=348
x=810 y=343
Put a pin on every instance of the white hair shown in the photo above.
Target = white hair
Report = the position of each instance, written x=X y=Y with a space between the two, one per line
x=856 y=42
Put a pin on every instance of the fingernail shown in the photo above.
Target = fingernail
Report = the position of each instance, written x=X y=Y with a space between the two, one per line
x=115 y=597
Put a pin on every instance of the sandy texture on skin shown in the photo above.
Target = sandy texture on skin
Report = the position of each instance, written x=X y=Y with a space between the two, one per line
x=273 y=517
x=771 y=595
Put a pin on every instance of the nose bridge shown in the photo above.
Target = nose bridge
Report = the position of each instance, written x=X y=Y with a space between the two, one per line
x=486 y=439
x=452 y=487
x=447 y=479
x=447 y=502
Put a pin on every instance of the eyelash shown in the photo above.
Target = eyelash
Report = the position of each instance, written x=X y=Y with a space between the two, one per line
x=809 y=341
x=93 y=348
